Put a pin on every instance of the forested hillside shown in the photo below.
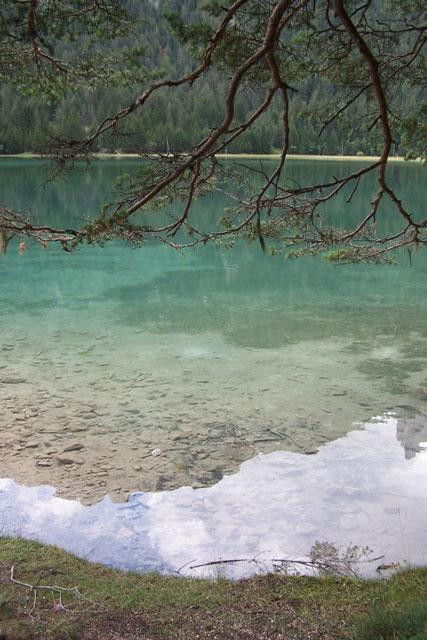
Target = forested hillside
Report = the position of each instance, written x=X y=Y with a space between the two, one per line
x=175 y=119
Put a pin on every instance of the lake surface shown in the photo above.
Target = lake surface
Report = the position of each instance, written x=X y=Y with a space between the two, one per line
x=359 y=489
x=205 y=359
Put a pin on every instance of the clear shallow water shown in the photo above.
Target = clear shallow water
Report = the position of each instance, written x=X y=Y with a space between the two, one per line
x=211 y=357
x=367 y=488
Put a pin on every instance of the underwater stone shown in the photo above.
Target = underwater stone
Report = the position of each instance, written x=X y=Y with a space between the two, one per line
x=64 y=460
x=77 y=446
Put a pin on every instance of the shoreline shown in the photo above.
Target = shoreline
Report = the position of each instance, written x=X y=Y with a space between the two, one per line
x=148 y=531
x=227 y=156
x=130 y=606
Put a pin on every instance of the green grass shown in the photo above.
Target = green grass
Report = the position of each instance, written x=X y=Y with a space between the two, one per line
x=409 y=623
x=125 y=606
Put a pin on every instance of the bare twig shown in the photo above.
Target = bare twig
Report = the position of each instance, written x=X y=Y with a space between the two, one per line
x=42 y=587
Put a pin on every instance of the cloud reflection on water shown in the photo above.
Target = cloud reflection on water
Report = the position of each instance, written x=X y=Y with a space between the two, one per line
x=359 y=489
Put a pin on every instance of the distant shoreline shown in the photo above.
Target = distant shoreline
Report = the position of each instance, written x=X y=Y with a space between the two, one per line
x=230 y=156
x=305 y=156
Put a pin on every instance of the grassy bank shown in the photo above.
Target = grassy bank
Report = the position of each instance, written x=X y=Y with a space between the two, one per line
x=121 y=606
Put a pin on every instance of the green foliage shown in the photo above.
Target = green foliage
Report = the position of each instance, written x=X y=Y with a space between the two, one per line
x=348 y=255
x=113 y=56
x=51 y=49
x=339 y=255
x=414 y=133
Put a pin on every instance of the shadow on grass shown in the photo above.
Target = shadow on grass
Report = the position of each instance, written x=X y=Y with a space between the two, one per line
x=409 y=623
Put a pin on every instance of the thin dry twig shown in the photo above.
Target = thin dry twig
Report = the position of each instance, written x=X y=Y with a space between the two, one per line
x=43 y=587
x=338 y=565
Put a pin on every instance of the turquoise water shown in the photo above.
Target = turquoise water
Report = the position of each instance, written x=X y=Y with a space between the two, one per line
x=204 y=358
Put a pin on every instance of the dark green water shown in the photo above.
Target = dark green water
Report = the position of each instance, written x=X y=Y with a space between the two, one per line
x=209 y=356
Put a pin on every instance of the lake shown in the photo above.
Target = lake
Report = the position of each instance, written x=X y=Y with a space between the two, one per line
x=145 y=370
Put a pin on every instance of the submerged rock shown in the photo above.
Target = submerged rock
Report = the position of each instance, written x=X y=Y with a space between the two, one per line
x=77 y=446
x=66 y=460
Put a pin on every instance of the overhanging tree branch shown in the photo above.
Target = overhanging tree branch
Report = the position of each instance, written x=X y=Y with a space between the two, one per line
x=280 y=41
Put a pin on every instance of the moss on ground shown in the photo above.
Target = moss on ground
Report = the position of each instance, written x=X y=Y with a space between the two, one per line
x=125 y=606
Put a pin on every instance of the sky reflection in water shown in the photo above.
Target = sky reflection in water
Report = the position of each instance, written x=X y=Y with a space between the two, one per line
x=367 y=488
